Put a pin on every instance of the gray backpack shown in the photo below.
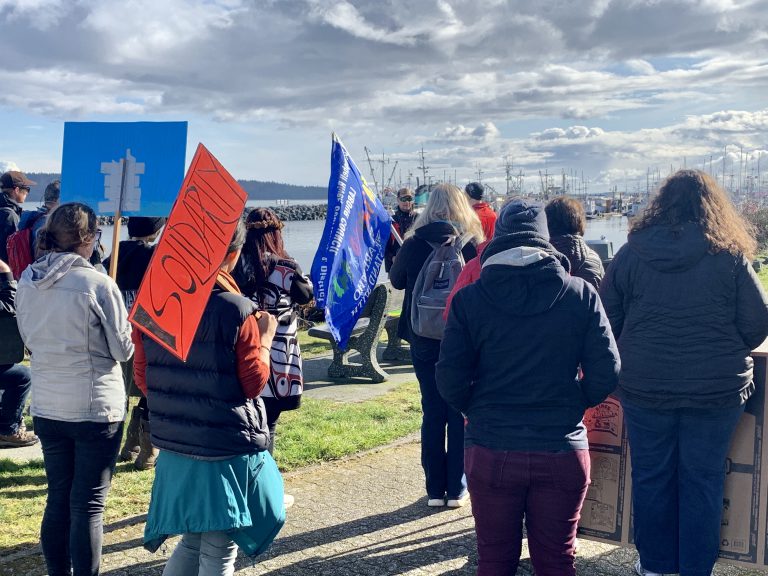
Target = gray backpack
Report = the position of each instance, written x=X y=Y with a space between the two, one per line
x=433 y=286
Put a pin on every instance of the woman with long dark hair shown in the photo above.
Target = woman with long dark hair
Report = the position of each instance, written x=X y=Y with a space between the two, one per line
x=687 y=309
x=73 y=320
x=215 y=483
x=271 y=278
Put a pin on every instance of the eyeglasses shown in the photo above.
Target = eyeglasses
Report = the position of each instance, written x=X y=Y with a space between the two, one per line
x=24 y=189
x=405 y=199
x=97 y=236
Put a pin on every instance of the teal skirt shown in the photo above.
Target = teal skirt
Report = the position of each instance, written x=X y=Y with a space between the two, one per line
x=242 y=496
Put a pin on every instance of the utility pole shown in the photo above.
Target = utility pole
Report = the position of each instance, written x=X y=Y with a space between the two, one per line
x=373 y=172
x=424 y=168
x=479 y=174
x=507 y=172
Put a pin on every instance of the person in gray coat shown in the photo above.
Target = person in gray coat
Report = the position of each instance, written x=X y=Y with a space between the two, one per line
x=686 y=309
x=73 y=320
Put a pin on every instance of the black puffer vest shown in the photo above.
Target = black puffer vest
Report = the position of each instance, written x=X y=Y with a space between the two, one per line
x=198 y=408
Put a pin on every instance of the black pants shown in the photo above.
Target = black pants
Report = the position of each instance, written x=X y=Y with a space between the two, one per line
x=79 y=462
x=273 y=410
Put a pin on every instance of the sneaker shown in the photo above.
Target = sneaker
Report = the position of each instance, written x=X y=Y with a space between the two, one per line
x=19 y=439
x=436 y=502
x=643 y=572
x=458 y=502
x=288 y=501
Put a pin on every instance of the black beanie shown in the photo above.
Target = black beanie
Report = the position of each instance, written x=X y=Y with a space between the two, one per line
x=475 y=190
x=141 y=226
x=522 y=216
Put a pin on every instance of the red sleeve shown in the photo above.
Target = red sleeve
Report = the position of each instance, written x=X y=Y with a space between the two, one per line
x=251 y=371
x=139 y=361
x=468 y=275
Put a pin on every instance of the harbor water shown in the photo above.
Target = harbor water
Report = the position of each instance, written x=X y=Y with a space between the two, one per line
x=302 y=237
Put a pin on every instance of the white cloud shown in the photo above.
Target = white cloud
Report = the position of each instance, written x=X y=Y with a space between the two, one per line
x=473 y=79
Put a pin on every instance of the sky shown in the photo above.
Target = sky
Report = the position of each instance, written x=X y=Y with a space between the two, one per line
x=609 y=93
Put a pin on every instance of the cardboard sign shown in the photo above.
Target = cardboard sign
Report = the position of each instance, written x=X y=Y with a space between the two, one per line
x=143 y=159
x=607 y=512
x=178 y=283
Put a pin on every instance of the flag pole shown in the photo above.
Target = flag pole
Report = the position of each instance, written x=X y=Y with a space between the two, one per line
x=118 y=221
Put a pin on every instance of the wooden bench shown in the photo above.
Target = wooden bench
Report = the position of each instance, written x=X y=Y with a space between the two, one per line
x=365 y=336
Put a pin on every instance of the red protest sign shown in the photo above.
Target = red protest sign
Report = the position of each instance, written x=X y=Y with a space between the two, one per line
x=176 y=287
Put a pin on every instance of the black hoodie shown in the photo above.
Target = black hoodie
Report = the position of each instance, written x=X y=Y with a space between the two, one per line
x=685 y=320
x=512 y=347
x=132 y=262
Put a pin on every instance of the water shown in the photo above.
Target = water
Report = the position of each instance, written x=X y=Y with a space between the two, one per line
x=302 y=237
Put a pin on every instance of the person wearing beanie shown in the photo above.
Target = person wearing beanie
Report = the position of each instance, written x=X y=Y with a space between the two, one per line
x=512 y=347
x=133 y=260
x=471 y=271
x=566 y=220
x=475 y=191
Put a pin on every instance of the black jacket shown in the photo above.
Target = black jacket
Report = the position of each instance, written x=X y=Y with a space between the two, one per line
x=198 y=407
x=10 y=213
x=132 y=262
x=409 y=260
x=512 y=347
x=585 y=263
x=685 y=320
x=11 y=346
x=404 y=221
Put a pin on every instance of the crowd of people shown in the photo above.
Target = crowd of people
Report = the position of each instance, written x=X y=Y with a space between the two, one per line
x=515 y=329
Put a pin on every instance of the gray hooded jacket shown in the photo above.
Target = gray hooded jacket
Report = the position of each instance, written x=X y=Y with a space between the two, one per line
x=73 y=321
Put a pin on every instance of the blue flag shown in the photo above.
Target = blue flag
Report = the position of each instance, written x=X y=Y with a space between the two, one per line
x=347 y=262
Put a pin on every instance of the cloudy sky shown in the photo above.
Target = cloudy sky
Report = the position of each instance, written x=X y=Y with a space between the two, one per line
x=611 y=89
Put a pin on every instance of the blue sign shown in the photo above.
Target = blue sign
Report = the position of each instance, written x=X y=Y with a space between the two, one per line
x=143 y=159
x=348 y=259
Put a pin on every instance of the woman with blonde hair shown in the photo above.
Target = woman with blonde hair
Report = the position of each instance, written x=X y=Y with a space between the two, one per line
x=687 y=309
x=446 y=216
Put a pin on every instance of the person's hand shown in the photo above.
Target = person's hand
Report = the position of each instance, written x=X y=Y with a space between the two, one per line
x=267 y=327
x=4 y=267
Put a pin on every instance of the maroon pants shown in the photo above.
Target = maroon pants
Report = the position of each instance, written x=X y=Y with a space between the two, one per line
x=546 y=489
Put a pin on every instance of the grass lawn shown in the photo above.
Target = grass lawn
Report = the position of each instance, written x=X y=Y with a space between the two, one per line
x=319 y=431
x=763 y=275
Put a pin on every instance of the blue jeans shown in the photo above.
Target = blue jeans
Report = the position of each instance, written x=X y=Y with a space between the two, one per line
x=443 y=468
x=79 y=462
x=678 y=477
x=15 y=381
x=203 y=554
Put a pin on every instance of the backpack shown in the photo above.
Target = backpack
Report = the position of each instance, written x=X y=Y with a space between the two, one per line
x=20 y=247
x=433 y=286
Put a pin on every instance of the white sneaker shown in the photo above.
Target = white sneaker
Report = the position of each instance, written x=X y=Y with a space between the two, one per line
x=288 y=501
x=643 y=572
x=436 y=502
x=458 y=502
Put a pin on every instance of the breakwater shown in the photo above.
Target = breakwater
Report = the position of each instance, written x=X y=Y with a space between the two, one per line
x=286 y=213
x=294 y=212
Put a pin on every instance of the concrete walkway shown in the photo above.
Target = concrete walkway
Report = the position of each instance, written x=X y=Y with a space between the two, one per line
x=364 y=516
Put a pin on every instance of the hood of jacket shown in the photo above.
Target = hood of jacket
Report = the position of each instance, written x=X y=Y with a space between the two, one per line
x=522 y=274
x=44 y=273
x=670 y=248
x=436 y=232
